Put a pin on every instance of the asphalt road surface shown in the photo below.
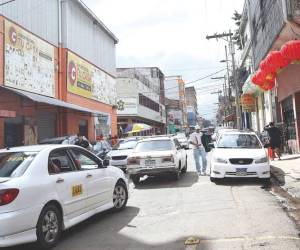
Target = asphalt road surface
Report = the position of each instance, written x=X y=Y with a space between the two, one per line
x=163 y=214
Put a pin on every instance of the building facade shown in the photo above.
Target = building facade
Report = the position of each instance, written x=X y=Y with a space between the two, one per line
x=272 y=24
x=55 y=79
x=191 y=106
x=176 y=106
x=140 y=92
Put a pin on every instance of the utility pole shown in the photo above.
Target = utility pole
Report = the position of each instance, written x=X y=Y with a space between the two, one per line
x=228 y=38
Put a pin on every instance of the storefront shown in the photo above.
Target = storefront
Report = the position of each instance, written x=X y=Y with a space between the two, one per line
x=47 y=91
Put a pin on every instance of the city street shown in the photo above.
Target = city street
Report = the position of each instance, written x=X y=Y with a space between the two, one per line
x=162 y=214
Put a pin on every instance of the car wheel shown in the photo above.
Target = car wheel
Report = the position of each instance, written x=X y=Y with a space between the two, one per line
x=266 y=181
x=49 y=227
x=135 y=179
x=215 y=180
x=185 y=167
x=120 y=196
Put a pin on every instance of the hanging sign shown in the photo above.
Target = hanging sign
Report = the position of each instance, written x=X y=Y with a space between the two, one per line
x=248 y=102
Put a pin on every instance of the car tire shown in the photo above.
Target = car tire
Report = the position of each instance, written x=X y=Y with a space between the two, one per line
x=176 y=174
x=266 y=181
x=184 y=169
x=120 y=196
x=215 y=180
x=49 y=223
x=135 y=179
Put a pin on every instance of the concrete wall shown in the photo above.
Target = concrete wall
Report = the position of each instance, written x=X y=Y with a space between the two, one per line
x=267 y=19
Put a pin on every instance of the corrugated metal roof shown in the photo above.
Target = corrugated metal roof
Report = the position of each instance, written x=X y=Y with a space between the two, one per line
x=93 y=15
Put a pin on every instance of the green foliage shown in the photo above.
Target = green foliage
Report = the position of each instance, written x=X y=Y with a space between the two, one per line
x=237 y=36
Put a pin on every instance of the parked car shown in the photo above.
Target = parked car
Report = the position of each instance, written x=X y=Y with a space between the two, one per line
x=181 y=137
x=45 y=189
x=239 y=154
x=221 y=130
x=118 y=155
x=156 y=156
x=68 y=139
x=101 y=149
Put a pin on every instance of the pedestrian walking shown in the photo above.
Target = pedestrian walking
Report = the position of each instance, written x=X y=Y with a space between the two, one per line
x=198 y=150
x=275 y=138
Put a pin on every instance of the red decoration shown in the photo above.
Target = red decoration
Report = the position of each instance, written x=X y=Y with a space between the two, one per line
x=274 y=62
x=291 y=51
x=261 y=77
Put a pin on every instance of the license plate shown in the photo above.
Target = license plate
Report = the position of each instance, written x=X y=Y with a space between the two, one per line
x=150 y=162
x=241 y=171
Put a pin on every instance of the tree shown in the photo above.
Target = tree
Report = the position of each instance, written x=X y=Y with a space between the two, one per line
x=237 y=36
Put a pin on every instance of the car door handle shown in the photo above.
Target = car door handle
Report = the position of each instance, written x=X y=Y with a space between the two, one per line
x=89 y=175
x=60 y=180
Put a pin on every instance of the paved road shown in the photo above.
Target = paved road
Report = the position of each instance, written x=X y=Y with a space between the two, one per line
x=162 y=214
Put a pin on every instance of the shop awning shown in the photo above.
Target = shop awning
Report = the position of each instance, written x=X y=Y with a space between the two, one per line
x=251 y=88
x=52 y=101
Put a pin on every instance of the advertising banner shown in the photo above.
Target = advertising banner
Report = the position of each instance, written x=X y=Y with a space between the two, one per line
x=86 y=80
x=29 y=61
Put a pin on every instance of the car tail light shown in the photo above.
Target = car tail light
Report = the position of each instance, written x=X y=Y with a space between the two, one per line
x=8 y=195
x=168 y=159
x=133 y=161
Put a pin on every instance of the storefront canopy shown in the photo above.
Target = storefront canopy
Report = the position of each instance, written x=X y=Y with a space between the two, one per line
x=250 y=88
x=52 y=101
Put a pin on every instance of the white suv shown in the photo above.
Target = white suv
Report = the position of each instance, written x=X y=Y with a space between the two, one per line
x=156 y=156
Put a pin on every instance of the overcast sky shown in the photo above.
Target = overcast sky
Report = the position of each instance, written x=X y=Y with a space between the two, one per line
x=170 y=34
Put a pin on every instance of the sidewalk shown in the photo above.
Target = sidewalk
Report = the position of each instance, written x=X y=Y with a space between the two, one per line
x=287 y=173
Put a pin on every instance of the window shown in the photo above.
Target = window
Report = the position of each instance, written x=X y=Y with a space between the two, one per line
x=148 y=103
x=14 y=164
x=155 y=145
x=83 y=160
x=59 y=162
x=239 y=141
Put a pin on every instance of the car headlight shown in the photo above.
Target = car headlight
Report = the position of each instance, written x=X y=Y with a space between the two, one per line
x=220 y=160
x=262 y=160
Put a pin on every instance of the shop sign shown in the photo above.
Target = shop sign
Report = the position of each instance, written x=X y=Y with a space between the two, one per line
x=86 y=80
x=29 y=61
x=248 y=102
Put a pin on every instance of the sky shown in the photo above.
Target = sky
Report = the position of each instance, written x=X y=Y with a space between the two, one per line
x=171 y=35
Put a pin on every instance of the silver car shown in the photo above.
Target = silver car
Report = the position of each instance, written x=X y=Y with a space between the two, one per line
x=118 y=155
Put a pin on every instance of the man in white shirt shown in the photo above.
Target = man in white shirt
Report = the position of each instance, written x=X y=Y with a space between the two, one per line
x=199 y=150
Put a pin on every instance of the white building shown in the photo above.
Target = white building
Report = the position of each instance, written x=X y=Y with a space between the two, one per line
x=140 y=92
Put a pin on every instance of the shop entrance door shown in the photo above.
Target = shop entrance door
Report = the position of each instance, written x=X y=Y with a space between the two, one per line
x=83 y=128
x=13 y=132
x=46 y=125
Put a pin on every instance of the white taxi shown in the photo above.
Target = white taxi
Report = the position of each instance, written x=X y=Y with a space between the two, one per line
x=155 y=156
x=48 y=188
x=239 y=154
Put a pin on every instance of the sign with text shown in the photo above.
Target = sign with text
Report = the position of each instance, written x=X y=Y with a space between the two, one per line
x=248 y=102
x=29 y=61
x=88 y=81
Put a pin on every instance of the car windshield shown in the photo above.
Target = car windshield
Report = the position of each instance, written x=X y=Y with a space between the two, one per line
x=238 y=141
x=125 y=145
x=159 y=145
x=14 y=164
